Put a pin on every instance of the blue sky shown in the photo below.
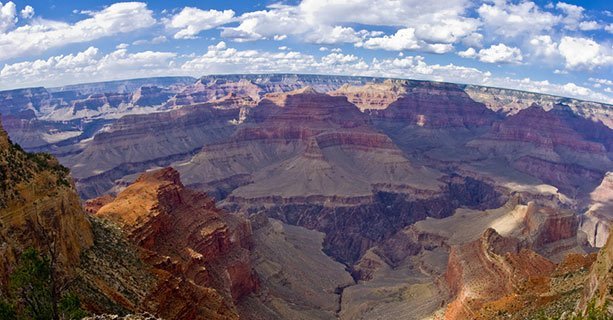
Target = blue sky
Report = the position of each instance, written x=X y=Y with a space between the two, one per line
x=563 y=48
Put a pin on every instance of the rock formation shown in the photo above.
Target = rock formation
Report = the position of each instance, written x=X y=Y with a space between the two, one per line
x=136 y=143
x=183 y=233
x=39 y=208
x=488 y=268
x=374 y=96
x=599 y=286
x=596 y=222
x=436 y=105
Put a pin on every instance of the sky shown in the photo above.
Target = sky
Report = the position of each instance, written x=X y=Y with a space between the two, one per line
x=561 y=48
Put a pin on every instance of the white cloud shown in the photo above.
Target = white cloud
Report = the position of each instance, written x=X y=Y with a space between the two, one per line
x=122 y=46
x=544 y=46
x=468 y=53
x=447 y=31
x=405 y=39
x=584 y=53
x=474 y=39
x=8 y=16
x=500 y=53
x=267 y=24
x=156 y=40
x=43 y=35
x=512 y=20
x=575 y=90
x=84 y=65
x=336 y=34
x=609 y=28
x=574 y=14
x=589 y=25
x=159 y=39
x=605 y=82
x=433 y=22
x=339 y=58
x=27 y=12
x=192 y=21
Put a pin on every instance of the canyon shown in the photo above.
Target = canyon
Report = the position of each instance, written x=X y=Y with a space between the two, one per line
x=317 y=197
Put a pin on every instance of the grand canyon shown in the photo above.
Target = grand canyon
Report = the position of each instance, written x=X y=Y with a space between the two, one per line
x=293 y=196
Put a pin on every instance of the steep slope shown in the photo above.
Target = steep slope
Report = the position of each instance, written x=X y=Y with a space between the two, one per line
x=372 y=95
x=556 y=146
x=183 y=233
x=435 y=105
x=487 y=268
x=38 y=207
x=136 y=143
x=597 y=220
x=510 y=102
x=599 y=286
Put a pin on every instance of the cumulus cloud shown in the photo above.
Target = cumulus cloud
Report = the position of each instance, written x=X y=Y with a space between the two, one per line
x=405 y=39
x=43 y=35
x=191 y=21
x=589 y=25
x=85 y=65
x=512 y=20
x=468 y=53
x=27 y=12
x=544 y=46
x=431 y=22
x=499 y=53
x=584 y=53
x=573 y=14
x=8 y=16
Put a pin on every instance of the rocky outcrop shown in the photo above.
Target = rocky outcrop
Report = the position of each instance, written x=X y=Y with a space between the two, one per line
x=24 y=103
x=599 y=285
x=38 y=207
x=93 y=205
x=123 y=86
x=436 y=105
x=97 y=101
x=598 y=219
x=184 y=234
x=205 y=90
x=571 y=179
x=546 y=129
x=136 y=143
x=510 y=102
x=556 y=146
x=374 y=96
x=150 y=96
x=489 y=268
